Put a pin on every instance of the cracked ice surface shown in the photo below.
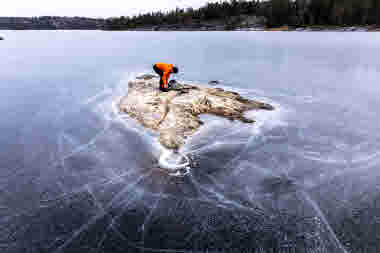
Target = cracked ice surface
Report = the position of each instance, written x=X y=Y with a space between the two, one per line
x=78 y=178
x=101 y=191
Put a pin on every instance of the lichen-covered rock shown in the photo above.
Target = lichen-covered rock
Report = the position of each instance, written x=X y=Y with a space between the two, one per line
x=175 y=114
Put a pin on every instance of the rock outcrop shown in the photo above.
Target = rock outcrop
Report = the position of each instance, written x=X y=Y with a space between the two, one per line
x=213 y=82
x=175 y=114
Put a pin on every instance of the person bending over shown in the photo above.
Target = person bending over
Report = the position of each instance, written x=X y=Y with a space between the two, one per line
x=164 y=70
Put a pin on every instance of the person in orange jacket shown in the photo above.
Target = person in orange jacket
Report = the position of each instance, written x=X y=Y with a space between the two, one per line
x=164 y=70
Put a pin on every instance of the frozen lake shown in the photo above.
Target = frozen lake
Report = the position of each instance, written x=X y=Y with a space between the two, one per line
x=74 y=177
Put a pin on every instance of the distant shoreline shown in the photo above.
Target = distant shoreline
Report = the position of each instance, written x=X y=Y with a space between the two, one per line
x=246 y=23
x=314 y=28
x=317 y=28
x=303 y=29
x=216 y=28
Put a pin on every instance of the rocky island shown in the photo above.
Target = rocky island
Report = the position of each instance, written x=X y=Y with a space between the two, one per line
x=175 y=114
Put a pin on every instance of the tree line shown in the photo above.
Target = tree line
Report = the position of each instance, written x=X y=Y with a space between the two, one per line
x=276 y=13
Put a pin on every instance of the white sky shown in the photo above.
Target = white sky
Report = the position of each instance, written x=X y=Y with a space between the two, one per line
x=89 y=8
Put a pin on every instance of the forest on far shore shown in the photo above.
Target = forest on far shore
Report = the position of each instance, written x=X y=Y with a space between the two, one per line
x=276 y=12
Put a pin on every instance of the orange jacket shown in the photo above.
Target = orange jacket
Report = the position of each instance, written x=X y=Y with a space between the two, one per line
x=167 y=69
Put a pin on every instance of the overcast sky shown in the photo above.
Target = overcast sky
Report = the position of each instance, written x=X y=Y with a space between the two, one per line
x=89 y=8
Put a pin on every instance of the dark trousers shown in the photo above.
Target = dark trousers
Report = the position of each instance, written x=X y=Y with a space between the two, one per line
x=160 y=73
